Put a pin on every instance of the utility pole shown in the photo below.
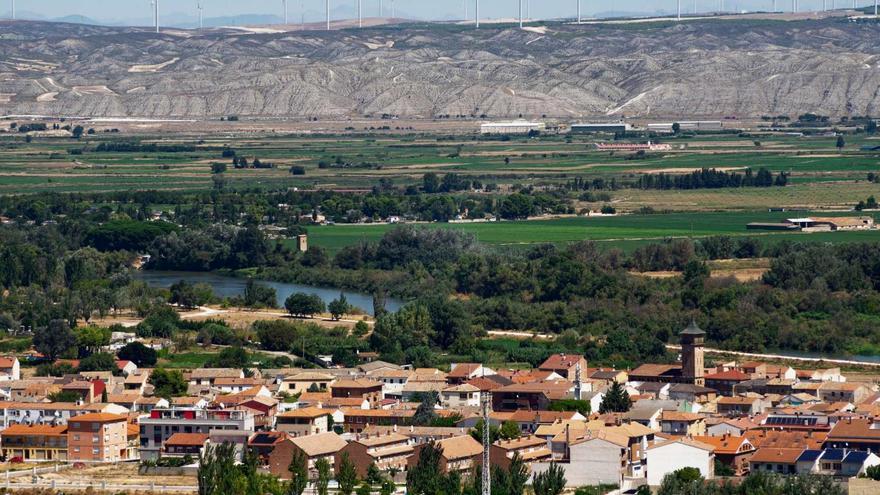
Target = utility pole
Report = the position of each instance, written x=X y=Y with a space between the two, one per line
x=487 y=445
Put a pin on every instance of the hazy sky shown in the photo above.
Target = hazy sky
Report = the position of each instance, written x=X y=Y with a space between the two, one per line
x=132 y=10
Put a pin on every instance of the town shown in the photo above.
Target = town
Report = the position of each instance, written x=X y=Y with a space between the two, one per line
x=591 y=427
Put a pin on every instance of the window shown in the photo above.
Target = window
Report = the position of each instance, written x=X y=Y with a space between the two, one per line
x=76 y=438
x=96 y=451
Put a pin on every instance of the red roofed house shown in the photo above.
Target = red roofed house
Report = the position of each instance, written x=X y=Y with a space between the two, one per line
x=462 y=372
x=724 y=381
x=34 y=443
x=98 y=437
x=183 y=444
x=565 y=365
x=9 y=368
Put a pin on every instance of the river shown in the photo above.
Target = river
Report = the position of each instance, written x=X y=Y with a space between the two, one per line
x=225 y=286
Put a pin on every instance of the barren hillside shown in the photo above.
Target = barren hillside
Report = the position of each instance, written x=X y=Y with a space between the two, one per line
x=697 y=68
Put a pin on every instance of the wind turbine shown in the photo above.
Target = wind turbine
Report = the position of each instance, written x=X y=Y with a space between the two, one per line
x=360 y=16
x=284 y=7
x=380 y=8
x=13 y=10
x=477 y=13
x=393 y=14
x=679 y=10
x=327 y=8
x=579 y=11
x=876 y=2
x=156 y=13
x=520 y=14
x=200 y=8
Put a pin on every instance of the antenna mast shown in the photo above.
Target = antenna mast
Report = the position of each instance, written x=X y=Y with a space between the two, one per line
x=577 y=382
x=486 y=399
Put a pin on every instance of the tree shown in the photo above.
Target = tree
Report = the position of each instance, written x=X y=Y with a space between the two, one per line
x=98 y=362
x=54 y=339
x=509 y=430
x=184 y=295
x=322 y=466
x=338 y=307
x=347 y=475
x=430 y=183
x=477 y=432
x=230 y=357
x=676 y=128
x=550 y=482
x=278 y=335
x=304 y=305
x=138 y=354
x=684 y=480
x=218 y=168
x=871 y=126
x=90 y=339
x=374 y=475
x=425 y=478
x=516 y=207
x=840 y=143
x=77 y=132
x=299 y=473
x=168 y=383
x=425 y=414
x=64 y=396
x=259 y=296
x=616 y=400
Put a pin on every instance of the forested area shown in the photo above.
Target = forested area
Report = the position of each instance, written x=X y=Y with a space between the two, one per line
x=69 y=258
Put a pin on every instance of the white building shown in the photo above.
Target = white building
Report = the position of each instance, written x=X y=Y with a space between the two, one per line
x=668 y=457
x=464 y=395
x=514 y=127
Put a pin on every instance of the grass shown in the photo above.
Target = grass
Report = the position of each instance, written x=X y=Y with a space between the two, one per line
x=624 y=232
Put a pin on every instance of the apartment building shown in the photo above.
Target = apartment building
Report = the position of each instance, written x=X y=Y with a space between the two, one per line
x=156 y=429
x=98 y=437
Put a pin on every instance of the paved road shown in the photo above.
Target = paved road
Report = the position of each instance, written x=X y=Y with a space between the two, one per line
x=155 y=487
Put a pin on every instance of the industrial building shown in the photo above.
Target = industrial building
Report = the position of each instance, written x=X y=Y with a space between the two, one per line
x=690 y=125
x=649 y=146
x=604 y=127
x=817 y=224
x=514 y=127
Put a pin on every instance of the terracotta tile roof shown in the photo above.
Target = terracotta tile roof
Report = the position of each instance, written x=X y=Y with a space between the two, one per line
x=485 y=384
x=212 y=373
x=187 y=439
x=547 y=417
x=268 y=438
x=655 y=370
x=727 y=444
x=306 y=412
x=463 y=388
x=560 y=362
x=521 y=442
x=786 y=439
x=460 y=447
x=855 y=429
x=309 y=376
x=463 y=370
x=358 y=383
x=730 y=375
x=321 y=444
x=36 y=430
x=680 y=416
x=684 y=441
x=379 y=440
x=776 y=456
x=98 y=417
x=7 y=362
x=737 y=400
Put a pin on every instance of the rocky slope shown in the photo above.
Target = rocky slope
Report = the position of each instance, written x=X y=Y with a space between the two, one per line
x=699 y=68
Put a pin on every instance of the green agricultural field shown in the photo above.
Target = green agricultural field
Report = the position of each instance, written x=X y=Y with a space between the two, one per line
x=623 y=232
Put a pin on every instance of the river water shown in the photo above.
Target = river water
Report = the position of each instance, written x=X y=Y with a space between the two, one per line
x=225 y=286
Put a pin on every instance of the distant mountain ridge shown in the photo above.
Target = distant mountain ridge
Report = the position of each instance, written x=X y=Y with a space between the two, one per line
x=709 y=68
